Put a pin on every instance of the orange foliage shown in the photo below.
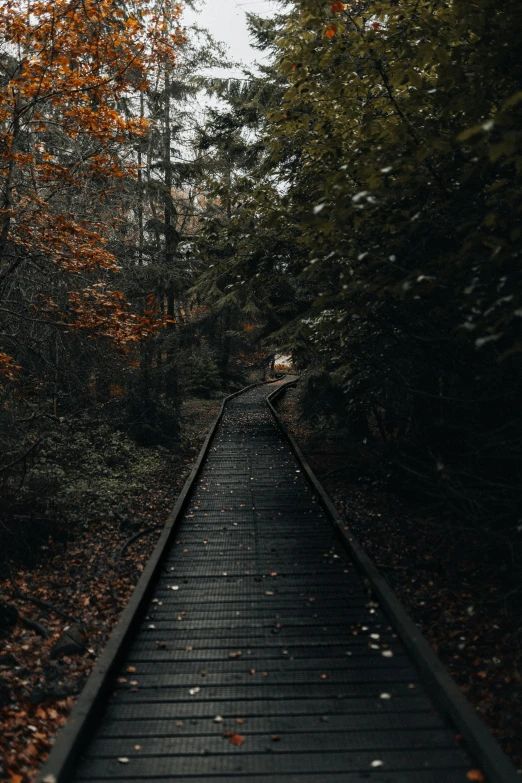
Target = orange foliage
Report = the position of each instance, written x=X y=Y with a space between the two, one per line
x=72 y=64
x=337 y=7
x=330 y=32
x=8 y=368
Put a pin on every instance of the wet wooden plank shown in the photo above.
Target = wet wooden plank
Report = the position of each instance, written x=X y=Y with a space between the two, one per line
x=255 y=568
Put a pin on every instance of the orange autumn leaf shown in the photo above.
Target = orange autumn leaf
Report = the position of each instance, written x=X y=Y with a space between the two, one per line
x=78 y=62
x=236 y=739
x=330 y=33
x=475 y=774
x=8 y=368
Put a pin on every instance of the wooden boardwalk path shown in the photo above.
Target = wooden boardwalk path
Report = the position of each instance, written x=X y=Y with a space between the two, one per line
x=259 y=618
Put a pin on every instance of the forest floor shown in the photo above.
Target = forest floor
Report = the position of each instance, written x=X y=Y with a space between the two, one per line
x=438 y=571
x=89 y=579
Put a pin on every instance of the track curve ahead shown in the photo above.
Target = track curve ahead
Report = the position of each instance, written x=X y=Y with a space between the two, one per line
x=261 y=656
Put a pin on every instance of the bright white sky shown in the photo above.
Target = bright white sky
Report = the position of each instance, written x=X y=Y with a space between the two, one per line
x=226 y=21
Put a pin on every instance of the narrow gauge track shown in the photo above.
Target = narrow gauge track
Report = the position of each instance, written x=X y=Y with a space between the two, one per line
x=252 y=609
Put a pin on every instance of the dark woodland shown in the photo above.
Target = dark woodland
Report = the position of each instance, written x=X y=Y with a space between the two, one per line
x=349 y=213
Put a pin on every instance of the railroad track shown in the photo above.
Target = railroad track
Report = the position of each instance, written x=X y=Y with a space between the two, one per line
x=261 y=644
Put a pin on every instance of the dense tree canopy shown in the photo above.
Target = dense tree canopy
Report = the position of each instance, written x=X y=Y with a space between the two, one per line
x=379 y=232
x=356 y=201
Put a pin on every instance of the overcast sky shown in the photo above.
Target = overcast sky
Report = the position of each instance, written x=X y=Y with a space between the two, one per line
x=226 y=20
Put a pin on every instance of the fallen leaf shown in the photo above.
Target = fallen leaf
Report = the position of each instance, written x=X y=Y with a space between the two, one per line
x=475 y=774
x=236 y=739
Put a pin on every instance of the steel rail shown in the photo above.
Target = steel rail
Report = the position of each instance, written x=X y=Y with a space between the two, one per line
x=439 y=683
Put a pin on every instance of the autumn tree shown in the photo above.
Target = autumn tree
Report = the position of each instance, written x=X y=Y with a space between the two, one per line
x=65 y=69
x=67 y=164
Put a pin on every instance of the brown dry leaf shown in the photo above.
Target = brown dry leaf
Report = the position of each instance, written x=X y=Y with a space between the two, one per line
x=131 y=669
x=236 y=739
x=475 y=774
x=235 y=654
x=15 y=778
x=240 y=720
x=31 y=750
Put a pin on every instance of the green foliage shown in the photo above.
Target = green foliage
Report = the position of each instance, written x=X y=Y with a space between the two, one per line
x=404 y=128
x=199 y=373
x=90 y=471
x=379 y=235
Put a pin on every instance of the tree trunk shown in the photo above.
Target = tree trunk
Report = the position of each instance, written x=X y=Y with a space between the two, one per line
x=140 y=190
